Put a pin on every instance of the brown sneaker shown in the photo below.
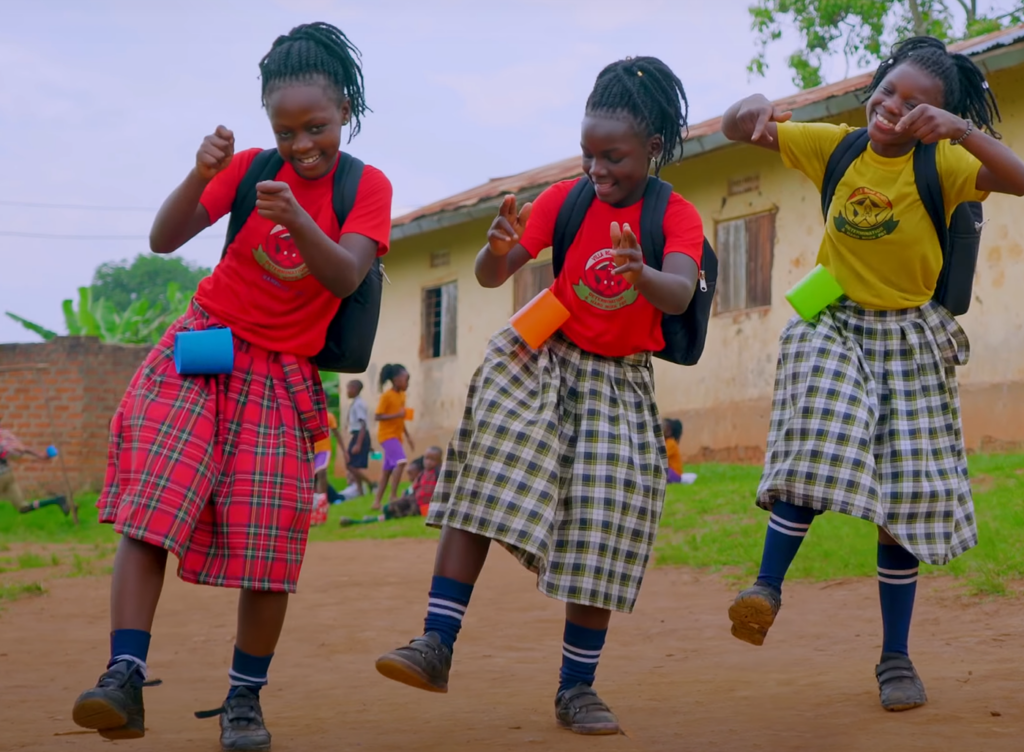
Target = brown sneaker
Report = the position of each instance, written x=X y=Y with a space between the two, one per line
x=424 y=664
x=753 y=613
x=581 y=711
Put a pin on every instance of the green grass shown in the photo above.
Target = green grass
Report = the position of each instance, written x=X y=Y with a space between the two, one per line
x=13 y=592
x=712 y=525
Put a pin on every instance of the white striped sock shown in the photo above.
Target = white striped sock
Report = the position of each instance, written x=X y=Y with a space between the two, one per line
x=898 y=576
x=236 y=679
x=143 y=668
x=794 y=529
x=445 y=607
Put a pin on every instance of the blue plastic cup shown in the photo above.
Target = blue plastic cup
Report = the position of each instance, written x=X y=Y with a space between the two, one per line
x=209 y=352
x=51 y=451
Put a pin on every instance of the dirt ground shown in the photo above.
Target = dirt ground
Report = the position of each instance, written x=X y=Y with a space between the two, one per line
x=671 y=671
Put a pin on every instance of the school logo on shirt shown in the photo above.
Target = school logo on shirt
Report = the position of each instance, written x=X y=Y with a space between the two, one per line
x=602 y=289
x=279 y=256
x=867 y=215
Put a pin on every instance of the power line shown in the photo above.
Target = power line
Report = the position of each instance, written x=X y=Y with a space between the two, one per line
x=86 y=207
x=53 y=236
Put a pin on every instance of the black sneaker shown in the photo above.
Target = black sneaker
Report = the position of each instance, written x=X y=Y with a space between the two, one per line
x=424 y=664
x=114 y=706
x=241 y=722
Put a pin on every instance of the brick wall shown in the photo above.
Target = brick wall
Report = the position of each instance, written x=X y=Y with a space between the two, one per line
x=83 y=380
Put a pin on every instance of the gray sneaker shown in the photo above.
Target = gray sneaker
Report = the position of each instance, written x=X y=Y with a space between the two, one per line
x=241 y=723
x=114 y=706
x=581 y=711
x=424 y=664
x=753 y=613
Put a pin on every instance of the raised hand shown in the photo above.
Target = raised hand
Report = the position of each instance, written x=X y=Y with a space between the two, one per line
x=508 y=226
x=215 y=153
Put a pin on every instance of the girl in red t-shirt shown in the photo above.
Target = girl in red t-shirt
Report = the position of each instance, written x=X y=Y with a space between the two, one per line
x=219 y=469
x=560 y=456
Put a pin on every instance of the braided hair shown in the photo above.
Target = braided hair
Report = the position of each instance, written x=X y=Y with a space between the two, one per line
x=647 y=90
x=313 y=53
x=967 y=93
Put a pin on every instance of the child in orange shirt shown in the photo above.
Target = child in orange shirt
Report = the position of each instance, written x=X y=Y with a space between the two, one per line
x=673 y=430
x=391 y=428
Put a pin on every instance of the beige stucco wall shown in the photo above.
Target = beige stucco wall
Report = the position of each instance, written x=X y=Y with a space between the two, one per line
x=724 y=400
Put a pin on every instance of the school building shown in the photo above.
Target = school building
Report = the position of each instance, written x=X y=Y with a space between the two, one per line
x=765 y=223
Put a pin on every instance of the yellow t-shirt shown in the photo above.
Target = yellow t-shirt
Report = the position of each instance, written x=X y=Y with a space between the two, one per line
x=324 y=445
x=391 y=402
x=675 y=457
x=879 y=242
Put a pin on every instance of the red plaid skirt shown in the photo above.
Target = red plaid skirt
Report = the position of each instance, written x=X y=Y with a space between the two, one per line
x=218 y=470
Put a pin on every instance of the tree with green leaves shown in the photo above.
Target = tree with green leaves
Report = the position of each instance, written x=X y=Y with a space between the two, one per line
x=864 y=30
x=139 y=323
x=121 y=283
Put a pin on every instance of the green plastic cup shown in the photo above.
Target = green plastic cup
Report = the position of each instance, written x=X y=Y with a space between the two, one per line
x=814 y=293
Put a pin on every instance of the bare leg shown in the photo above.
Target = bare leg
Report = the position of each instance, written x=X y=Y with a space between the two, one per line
x=396 y=478
x=384 y=477
x=138 y=580
x=461 y=555
x=588 y=616
x=260 y=619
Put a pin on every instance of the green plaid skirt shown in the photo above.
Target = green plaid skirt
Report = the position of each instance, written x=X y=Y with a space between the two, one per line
x=866 y=422
x=560 y=458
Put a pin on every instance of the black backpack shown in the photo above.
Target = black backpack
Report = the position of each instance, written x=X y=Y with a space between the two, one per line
x=959 y=241
x=351 y=332
x=684 y=333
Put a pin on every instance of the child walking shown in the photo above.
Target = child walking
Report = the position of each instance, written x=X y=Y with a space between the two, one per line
x=559 y=454
x=415 y=502
x=11 y=449
x=218 y=470
x=866 y=415
x=357 y=452
x=390 y=417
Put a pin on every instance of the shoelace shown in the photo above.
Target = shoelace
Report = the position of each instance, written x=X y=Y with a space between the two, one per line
x=242 y=709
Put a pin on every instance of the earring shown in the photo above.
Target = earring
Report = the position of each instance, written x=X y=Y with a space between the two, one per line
x=654 y=166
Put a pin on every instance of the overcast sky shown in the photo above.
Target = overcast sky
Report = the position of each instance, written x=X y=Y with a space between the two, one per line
x=103 y=103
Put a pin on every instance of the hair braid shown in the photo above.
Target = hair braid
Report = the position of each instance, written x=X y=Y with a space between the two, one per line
x=965 y=91
x=317 y=52
x=647 y=90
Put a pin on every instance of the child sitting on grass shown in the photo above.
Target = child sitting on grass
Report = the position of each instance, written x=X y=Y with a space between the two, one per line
x=416 y=499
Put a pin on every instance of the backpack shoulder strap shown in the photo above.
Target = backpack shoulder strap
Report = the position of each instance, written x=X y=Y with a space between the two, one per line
x=852 y=146
x=265 y=166
x=346 y=185
x=569 y=221
x=926 y=175
x=652 y=221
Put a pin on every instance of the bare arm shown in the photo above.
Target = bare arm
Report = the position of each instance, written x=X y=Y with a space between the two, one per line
x=1002 y=171
x=671 y=289
x=503 y=256
x=754 y=120
x=182 y=217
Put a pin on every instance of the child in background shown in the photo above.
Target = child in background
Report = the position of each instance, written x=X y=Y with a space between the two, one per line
x=219 y=469
x=415 y=502
x=673 y=430
x=11 y=448
x=357 y=451
x=560 y=457
x=321 y=464
x=391 y=428
x=866 y=414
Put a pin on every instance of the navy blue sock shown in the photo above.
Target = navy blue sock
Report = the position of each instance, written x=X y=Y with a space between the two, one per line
x=897 y=586
x=581 y=650
x=446 y=606
x=130 y=645
x=249 y=671
x=787 y=528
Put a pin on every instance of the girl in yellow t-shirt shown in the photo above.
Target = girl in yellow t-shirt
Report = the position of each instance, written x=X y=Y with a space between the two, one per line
x=391 y=417
x=673 y=430
x=865 y=417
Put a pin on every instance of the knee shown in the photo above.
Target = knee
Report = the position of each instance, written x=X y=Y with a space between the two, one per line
x=885 y=539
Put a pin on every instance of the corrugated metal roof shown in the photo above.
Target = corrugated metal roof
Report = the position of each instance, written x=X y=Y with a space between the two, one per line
x=702 y=138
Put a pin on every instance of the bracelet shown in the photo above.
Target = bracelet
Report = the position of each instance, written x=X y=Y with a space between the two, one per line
x=968 y=132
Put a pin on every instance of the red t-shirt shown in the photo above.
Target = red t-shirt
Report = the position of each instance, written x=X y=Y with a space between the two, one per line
x=607 y=316
x=262 y=289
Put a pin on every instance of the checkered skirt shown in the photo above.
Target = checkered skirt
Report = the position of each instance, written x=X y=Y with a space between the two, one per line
x=559 y=458
x=866 y=421
x=218 y=470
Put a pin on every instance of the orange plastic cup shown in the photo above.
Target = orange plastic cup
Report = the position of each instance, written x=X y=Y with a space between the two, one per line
x=539 y=319
x=409 y=412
